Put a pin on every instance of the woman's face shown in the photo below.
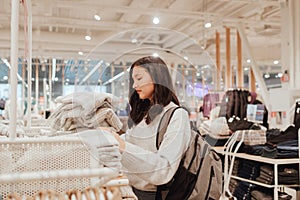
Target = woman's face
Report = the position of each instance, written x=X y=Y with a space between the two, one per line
x=142 y=82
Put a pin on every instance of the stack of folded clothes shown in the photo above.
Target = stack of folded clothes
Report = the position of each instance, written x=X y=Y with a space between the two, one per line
x=243 y=190
x=249 y=169
x=266 y=174
x=288 y=176
x=84 y=110
x=282 y=144
x=261 y=193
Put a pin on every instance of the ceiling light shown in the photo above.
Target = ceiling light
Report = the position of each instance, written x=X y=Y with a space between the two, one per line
x=248 y=61
x=186 y=58
x=207 y=25
x=80 y=53
x=275 y=62
x=155 y=20
x=97 y=17
x=155 y=54
x=88 y=38
x=133 y=40
x=267 y=75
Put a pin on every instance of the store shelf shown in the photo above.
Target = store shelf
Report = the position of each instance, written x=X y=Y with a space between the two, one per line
x=260 y=158
x=275 y=162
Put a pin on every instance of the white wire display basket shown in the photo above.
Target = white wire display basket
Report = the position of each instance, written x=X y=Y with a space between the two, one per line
x=29 y=165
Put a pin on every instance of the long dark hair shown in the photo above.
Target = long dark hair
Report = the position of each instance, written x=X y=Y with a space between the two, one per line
x=163 y=91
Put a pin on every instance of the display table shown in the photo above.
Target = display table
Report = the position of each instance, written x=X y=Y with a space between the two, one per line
x=274 y=162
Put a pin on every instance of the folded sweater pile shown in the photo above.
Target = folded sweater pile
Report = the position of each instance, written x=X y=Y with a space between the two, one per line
x=84 y=110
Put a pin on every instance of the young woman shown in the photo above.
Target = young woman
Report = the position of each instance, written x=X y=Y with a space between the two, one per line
x=151 y=94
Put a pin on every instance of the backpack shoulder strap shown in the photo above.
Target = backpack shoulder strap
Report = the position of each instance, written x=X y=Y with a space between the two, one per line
x=163 y=125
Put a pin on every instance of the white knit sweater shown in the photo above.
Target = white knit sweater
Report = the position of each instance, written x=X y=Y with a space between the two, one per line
x=144 y=165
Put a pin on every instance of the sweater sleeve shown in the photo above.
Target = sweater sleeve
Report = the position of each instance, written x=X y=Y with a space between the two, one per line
x=159 y=167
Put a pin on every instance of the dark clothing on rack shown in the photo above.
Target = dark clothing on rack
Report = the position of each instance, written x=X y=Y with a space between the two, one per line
x=259 y=195
x=236 y=124
x=209 y=102
x=234 y=103
x=252 y=149
x=275 y=135
x=288 y=176
x=286 y=149
x=243 y=190
x=266 y=174
x=297 y=115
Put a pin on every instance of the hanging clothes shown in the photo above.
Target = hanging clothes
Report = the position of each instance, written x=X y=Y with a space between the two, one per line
x=209 y=102
x=297 y=115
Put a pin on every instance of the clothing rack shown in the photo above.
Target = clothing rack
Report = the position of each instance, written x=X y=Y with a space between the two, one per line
x=104 y=173
x=58 y=163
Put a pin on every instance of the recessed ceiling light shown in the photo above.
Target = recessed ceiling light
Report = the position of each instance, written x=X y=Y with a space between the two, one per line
x=133 y=40
x=80 y=53
x=207 y=25
x=275 y=62
x=248 y=61
x=155 y=54
x=97 y=17
x=87 y=37
x=155 y=20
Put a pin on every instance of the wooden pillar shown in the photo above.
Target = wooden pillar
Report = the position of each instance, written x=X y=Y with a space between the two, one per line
x=228 y=74
x=252 y=81
x=218 y=70
x=240 y=72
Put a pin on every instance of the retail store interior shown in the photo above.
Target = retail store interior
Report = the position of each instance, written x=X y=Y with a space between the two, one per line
x=215 y=49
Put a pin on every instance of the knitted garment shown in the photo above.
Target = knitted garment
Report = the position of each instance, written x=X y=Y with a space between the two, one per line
x=219 y=126
x=84 y=110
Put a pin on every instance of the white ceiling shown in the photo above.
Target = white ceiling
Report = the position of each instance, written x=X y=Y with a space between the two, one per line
x=59 y=27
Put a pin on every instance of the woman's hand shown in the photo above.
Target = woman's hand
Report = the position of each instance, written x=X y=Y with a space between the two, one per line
x=117 y=136
x=120 y=140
